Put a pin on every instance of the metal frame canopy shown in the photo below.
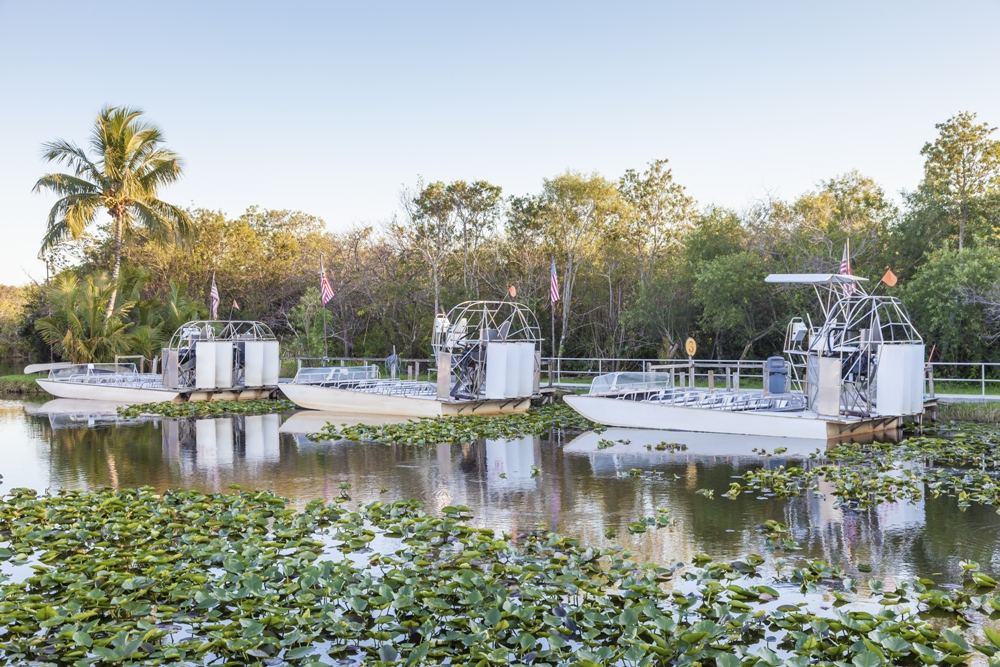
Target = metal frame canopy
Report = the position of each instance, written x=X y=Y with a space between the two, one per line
x=219 y=330
x=473 y=322
x=467 y=329
x=855 y=325
x=813 y=278
x=834 y=286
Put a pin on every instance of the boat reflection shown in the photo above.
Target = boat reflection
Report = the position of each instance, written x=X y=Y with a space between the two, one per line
x=561 y=481
x=209 y=444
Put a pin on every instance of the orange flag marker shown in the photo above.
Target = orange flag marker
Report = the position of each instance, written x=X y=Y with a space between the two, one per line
x=890 y=278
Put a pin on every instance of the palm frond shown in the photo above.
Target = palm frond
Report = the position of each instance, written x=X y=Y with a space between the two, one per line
x=141 y=145
x=113 y=127
x=69 y=218
x=163 y=222
x=160 y=167
x=64 y=184
x=61 y=151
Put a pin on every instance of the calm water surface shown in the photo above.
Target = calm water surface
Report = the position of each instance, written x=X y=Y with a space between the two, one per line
x=561 y=480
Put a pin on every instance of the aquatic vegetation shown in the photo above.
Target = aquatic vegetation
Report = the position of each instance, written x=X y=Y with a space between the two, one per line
x=462 y=428
x=131 y=577
x=665 y=446
x=965 y=466
x=778 y=536
x=205 y=408
x=661 y=520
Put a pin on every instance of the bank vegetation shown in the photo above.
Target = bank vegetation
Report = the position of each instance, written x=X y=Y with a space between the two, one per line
x=641 y=264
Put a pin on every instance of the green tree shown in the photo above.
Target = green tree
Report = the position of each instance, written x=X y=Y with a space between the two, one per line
x=659 y=213
x=13 y=303
x=178 y=308
x=430 y=229
x=78 y=328
x=937 y=298
x=717 y=231
x=306 y=320
x=128 y=168
x=478 y=206
x=962 y=171
x=736 y=302
x=576 y=211
x=808 y=235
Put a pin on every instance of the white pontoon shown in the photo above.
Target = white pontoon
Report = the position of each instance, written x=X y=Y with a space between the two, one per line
x=860 y=373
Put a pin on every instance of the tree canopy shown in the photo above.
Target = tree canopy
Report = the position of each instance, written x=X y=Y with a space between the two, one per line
x=641 y=265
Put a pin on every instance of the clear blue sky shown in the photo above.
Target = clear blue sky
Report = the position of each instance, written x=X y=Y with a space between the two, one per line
x=331 y=107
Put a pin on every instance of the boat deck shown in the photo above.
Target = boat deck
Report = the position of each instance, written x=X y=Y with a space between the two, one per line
x=386 y=387
x=118 y=380
x=706 y=399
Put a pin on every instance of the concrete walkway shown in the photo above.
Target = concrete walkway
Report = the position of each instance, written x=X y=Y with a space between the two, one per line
x=966 y=398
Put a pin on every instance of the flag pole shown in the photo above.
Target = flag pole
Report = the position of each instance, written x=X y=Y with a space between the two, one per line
x=326 y=351
x=326 y=346
x=553 y=345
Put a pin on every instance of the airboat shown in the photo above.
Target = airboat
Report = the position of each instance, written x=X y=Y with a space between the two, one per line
x=204 y=360
x=487 y=363
x=859 y=373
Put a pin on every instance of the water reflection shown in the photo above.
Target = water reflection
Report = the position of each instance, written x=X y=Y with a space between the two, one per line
x=212 y=445
x=565 y=482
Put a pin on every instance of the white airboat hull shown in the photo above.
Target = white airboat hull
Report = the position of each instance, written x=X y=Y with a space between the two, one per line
x=111 y=393
x=806 y=424
x=344 y=401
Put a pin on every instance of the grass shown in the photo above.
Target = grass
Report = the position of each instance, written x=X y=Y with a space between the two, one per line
x=986 y=413
x=972 y=387
x=20 y=385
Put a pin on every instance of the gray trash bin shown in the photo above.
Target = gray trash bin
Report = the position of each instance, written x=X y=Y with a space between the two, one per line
x=777 y=375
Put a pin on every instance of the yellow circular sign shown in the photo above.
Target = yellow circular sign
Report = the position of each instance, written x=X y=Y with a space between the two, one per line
x=691 y=347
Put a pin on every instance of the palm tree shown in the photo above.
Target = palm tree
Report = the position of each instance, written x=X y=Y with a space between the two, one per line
x=77 y=328
x=128 y=169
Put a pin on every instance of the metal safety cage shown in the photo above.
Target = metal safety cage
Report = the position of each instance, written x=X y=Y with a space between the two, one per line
x=467 y=330
x=180 y=355
x=856 y=324
x=219 y=330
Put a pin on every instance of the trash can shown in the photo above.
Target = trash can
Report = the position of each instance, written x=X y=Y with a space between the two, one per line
x=777 y=375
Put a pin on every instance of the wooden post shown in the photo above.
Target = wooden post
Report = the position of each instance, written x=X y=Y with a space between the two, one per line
x=711 y=380
x=729 y=378
x=409 y=372
x=682 y=378
x=736 y=381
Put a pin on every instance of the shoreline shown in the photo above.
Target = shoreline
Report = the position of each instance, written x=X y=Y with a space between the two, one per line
x=19 y=386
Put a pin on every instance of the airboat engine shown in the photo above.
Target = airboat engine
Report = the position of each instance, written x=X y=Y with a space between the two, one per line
x=221 y=356
x=866 y=360
x=487 y=350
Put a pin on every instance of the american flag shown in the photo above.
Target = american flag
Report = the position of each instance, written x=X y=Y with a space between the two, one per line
x=325 y=289
x=845 y=269
x=553 y=284
x=213 y=299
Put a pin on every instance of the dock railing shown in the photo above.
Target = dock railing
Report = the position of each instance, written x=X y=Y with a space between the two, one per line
x=576 y=373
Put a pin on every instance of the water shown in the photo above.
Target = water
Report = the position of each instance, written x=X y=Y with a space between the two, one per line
x=577 y=490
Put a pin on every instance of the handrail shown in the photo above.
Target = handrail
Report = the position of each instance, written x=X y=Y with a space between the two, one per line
x=577 y=371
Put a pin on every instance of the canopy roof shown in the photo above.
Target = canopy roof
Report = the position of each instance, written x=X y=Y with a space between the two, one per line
x=812 y=278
